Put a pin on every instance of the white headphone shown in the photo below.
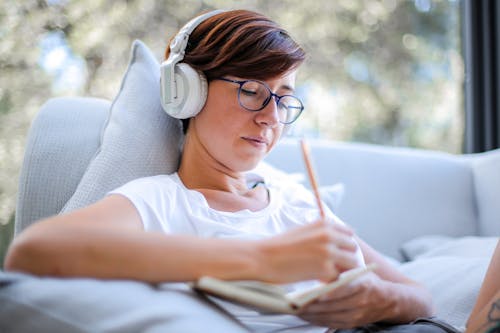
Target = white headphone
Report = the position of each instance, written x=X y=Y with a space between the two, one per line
x=183 y=89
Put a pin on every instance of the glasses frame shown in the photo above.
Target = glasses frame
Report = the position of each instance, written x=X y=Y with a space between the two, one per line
x=277 y=97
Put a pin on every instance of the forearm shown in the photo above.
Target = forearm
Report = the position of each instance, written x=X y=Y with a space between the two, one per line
x=486 y=319
x=408 y=302
x=107 y=240
x=488 y=299
x=153 y=257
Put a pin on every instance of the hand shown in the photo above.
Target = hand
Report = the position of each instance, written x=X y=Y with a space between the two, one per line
x=319 y=250
x=364 y=301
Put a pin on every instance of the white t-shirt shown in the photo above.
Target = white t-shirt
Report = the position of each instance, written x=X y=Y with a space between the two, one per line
x=165 y=204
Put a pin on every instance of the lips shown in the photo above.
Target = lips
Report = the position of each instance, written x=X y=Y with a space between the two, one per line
x=256 y=139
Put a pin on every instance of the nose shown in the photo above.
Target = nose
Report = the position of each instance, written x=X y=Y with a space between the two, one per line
x=269 y=115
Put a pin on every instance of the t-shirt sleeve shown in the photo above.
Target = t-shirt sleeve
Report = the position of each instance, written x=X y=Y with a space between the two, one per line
x=150 y=197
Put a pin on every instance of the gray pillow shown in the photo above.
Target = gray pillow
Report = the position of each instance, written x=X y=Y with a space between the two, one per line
x=454 y=283
x=139 y=139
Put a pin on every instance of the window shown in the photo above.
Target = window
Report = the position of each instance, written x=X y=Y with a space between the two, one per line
x=386 y=72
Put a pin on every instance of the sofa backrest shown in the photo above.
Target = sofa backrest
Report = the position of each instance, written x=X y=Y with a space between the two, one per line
x=62 y=140
x=392 y=194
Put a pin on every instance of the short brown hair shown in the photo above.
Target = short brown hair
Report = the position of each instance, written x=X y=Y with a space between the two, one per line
x=241 y=43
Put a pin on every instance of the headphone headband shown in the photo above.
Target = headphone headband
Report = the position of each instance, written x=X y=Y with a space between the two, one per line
x=179 y=43
x=177 y=51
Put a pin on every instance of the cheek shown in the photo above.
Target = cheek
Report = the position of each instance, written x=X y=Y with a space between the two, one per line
x=218 y=107
x=220 y=98
x=214 y=122
x=278 y=132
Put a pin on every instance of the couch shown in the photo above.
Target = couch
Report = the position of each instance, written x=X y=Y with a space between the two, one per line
x=434 y=215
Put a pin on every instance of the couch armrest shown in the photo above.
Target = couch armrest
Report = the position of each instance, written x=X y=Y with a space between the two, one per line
x=62 y=140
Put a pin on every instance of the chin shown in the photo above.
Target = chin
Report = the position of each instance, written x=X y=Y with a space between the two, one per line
x=247 y=166
x=250 y=167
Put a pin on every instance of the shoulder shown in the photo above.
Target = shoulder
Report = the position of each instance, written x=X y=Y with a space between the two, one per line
x=159 y=185
x=153 y=180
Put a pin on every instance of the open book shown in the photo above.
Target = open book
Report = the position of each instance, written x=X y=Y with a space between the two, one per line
x=271 y=297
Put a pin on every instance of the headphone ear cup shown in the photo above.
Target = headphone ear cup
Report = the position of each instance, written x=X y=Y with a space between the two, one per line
x=192 y=89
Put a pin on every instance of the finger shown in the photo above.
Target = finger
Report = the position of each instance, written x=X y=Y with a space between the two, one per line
x=332 y=234
x=330 y=273
x=343 y=228
x=344 y=242
x=344 y=260
x=342 y=298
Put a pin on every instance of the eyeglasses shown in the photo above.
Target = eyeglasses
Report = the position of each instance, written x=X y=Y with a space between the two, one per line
x=255 y=95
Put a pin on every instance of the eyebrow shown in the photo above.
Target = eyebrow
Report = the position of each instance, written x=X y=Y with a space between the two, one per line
x=287 y=87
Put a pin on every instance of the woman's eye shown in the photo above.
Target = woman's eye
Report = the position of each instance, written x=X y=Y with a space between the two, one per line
x=248 y=92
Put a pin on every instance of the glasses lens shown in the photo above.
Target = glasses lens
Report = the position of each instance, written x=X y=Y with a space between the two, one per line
x=291 y=108
x=254 y=95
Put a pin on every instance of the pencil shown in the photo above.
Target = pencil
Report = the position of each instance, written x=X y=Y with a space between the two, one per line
x=312 y=177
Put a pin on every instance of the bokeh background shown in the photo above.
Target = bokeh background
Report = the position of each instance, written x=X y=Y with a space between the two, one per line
x=379 y=71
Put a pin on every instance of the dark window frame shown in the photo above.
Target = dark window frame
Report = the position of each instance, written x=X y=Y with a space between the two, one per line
x=480 y=47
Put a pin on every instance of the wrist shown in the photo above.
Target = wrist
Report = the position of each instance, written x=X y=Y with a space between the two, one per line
x=406 y=302
x=261 y=261
x=269 y=264
x=236 y=260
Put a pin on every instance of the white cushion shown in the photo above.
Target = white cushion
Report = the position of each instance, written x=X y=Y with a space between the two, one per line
x=453 y=272
x=454 y=283
x=437 y=245
x=330 y=194
x=139 y=139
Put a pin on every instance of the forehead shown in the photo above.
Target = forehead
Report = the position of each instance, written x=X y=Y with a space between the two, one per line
x=285 y=81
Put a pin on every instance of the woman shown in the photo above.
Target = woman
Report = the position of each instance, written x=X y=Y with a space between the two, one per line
x=213 y=217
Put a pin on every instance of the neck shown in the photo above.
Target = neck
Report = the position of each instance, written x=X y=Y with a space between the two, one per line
x=224 y=188
x=200 y=170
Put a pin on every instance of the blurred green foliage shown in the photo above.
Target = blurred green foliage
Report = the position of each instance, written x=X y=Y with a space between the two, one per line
x=6 y=235
x=379 y=71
